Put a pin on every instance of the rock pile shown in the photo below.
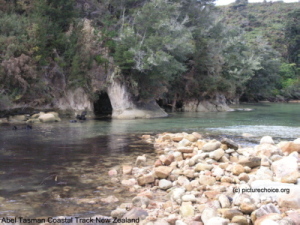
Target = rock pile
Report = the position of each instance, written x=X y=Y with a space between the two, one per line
x=198 y=181
x=35 y=118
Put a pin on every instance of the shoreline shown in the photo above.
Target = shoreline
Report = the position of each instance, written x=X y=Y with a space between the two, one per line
x=198 y=181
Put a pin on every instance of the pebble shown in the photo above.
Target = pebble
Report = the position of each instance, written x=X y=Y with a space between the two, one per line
x=224 y=201
x=165 y=184
x=207 y=214
x=195 y=182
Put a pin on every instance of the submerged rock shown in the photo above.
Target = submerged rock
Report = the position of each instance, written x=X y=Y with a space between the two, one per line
x=140 y=160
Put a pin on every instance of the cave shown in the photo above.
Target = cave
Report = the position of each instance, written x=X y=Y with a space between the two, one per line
x=102 y=107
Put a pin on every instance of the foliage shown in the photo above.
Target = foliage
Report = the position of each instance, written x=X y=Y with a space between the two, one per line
x=266 y=80
x=292 y=34
x=266 y=20
x=152 y=49
x=172 y=49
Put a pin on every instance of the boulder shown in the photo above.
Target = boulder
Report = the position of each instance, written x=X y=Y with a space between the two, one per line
x=113 y=172
x=189 y=198
x=140 y=160
x=110 y=199
x=163 y=171
x=184 y=143
x=267 y=140
x=187 y=210
x=158 y=163
x=136 y=213
x=207 y=214
x=270 y=219
x=227 y=179
x=191 y=138
x=178 y=156
x=165 y=184
x=224 y=201
x=140 y=201
x=129 y=182
x=230 y=213
x=207 y=180
x=289 y=147
x=292 y=199
x=202 y=167
x=118 y=213
x=265 y=210
x=285 y=194
x=161 y=222
x=185 y=149
x=177 y=137
x=182 y=181
x=248 y=206
x=177 y=193
x=217 y=221
x=285 y=167
x=48 y=117
x=197 y=135
x=266 y=150
x=250 y=162
x=218 y=172
x=146 y=179
x=294 y=216
x=264 y=173
x=230 y=143
x=217 y=154
x=240 y=220
x=33 y=121
x=18 y=118
x=244 y=177
x=127 y=169
x=179 y=222
x=237 y=169
x=169 y=159
x=211 y=146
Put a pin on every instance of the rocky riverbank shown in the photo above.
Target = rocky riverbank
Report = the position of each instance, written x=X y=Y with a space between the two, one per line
x=40 y=117
x=197 y=181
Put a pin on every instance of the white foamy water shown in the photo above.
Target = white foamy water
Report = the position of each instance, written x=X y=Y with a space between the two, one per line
x=259 y=130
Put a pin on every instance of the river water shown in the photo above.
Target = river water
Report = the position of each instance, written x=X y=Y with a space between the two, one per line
x=61 y=168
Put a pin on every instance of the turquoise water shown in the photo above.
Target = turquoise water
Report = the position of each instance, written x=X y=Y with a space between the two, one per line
x=46 y=170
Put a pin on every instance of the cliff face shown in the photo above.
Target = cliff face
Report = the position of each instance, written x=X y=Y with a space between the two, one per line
x=216 y=104
x=103 y=76
x=125 y=108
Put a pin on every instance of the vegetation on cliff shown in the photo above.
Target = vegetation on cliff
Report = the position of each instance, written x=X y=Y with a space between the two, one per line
x=170 y=50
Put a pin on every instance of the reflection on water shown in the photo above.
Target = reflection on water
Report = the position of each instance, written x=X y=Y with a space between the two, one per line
x=61 y=168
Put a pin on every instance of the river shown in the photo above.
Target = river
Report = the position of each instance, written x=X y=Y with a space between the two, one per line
x=62 y=168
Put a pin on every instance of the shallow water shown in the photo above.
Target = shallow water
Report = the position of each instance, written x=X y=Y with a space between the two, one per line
x=61 y=168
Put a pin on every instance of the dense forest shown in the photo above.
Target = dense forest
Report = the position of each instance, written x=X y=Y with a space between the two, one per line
x=173 y=51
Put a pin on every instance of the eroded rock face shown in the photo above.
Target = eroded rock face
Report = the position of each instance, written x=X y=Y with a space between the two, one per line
x=125 y=108
x=75 y=100
x=218 y=103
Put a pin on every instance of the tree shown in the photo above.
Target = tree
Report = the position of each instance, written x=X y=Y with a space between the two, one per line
x=292 y=34
x=151 y=50
x=266 y=80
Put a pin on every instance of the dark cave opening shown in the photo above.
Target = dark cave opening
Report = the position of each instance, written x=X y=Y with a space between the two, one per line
x=102 y=107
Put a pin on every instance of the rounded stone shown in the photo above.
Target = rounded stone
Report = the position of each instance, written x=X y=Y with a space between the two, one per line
x=224 y=201
x=267 y=140
x=165 y=184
